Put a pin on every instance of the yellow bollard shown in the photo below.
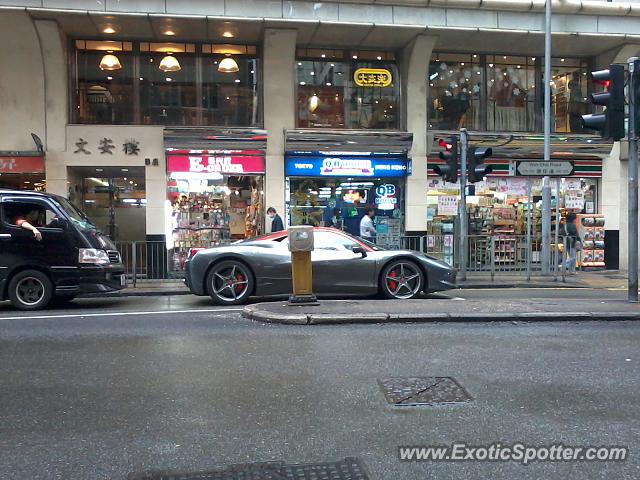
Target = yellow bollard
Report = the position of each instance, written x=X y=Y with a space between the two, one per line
x=300 y=246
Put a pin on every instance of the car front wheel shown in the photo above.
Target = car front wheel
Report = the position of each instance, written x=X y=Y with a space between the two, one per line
x=230 y=283
x=30 y=290
x=401 y=279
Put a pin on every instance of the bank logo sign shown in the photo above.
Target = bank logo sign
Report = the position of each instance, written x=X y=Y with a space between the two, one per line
x=372 y=77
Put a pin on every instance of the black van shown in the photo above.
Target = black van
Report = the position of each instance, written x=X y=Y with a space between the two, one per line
x=70 y=258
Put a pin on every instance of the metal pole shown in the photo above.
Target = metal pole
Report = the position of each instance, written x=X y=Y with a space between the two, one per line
x=546 y=188
x=464 y=141
x=133 y=263
x=634 y=70
x=493 y=257
x=557 y=235
x=529 y=213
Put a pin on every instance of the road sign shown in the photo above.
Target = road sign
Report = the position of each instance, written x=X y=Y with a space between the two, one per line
x=541 y=169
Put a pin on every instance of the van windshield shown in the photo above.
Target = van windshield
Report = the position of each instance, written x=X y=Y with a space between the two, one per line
x=76 y=215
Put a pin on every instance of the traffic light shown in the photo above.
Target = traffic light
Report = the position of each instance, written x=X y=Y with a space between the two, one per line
x=449 y=171
x=609 y=123
x=476 y=169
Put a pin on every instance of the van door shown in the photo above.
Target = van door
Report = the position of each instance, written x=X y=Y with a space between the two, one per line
x=56 y=251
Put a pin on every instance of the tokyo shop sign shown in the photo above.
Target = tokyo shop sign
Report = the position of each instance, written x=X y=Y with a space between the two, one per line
x=372 y=77
x=224 y=164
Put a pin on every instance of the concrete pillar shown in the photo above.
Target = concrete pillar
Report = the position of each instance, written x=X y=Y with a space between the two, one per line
x=22 y=90
x=279 y=50
x=414 y=69
x=615 y=175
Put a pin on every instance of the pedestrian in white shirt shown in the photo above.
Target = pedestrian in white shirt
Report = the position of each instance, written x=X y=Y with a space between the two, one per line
x=367 y=229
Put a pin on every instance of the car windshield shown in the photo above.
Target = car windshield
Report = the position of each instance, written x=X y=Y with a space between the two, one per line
x=369 y=244
x=75 y=215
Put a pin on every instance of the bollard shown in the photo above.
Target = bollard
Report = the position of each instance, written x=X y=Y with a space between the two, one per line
x=301 y=246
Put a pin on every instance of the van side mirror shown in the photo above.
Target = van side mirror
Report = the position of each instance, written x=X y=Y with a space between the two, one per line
x=58 y=222
x=360 y=250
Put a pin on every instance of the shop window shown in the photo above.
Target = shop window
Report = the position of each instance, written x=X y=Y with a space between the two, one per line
x=168 y=84
x=230 y=85
x=455 y=87
x=103 y=83
x=569 y=99
x=511 y=98
x=339 y=90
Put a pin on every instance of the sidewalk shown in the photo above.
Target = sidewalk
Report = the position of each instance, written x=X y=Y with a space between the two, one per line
x=605 y=279
x=442 y=310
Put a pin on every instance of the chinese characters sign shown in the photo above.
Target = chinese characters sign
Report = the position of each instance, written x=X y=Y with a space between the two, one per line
x=447 y=205
x=551 y=168
x=219 y=163
x=106 y=146
x=21 y=164
x=372 y=77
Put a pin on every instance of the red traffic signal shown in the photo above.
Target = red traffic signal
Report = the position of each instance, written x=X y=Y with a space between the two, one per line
x=609 y=123
x=449 y=171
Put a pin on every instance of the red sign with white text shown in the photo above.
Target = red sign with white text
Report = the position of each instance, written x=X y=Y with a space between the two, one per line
x=226 y=164
x=21 y=164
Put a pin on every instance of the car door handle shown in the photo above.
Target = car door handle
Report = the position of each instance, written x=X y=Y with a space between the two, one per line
x=5 y=236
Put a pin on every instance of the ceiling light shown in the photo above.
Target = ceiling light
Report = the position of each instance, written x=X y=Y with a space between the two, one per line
x=355 y=57
x=124 y=170
x=109 y=30
x=227 y=34
x=328 y=84
x=303 y=83
x=228 y=65
x=99 y=169
x=252 y=71
x=169 y=79
x=169 y=32
x=110 y=62
x=475 y=56
x=312 y=73
x=109 y=78
x=462 y=63
x=323 y=55
x=141 y=78
x=379 y=57
x=562 y=59
x=237 y=80
x=533 y=59
x=299 y=64
x=169 y=63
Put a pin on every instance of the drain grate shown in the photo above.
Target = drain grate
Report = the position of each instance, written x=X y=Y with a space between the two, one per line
x=347 y=469
x=423 y=391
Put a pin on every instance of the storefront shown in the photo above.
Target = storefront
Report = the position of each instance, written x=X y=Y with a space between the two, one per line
x=509 y=199
x=335 y=189
x=215 y=196
x=22 y=172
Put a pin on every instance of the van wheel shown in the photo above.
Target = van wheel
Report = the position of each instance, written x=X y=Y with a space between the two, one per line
x=30 y=290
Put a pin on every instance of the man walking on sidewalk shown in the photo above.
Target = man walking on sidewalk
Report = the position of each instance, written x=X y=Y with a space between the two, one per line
x=367 y=229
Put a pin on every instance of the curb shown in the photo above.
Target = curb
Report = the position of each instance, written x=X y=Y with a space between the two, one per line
x=133 y=293
x=253 y=312
x=519 y=285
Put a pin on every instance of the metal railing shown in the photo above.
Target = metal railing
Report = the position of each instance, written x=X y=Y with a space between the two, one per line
x=492 y=254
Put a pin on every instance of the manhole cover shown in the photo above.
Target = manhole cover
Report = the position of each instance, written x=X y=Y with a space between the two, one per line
x=423 y=390
x=347 y=469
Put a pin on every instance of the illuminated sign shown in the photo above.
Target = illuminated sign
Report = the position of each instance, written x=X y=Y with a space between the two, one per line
x=347 y=166
x=372 y=77
x=386 y=196
x=21 y=164
x=220 y=163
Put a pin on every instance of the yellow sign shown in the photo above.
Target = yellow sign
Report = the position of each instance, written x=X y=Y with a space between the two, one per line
x=372 y=77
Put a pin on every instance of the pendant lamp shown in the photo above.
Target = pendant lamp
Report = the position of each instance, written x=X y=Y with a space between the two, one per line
x=169 y=63
x=228 y=65
x=110 y=62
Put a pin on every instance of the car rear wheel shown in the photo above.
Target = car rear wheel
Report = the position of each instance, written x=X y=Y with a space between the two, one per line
x=401 y=279
x=30 y=290
x=230 y=283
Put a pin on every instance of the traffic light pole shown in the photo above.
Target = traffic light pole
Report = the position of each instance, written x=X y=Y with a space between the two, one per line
x=464 y=144
x=634 y=72
x=545 y=250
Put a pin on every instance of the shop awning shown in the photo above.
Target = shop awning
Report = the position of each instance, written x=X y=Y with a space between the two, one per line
x=22 y=163
x=308 y=140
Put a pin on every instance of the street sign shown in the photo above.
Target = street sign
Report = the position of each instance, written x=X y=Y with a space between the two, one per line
x=541 y=169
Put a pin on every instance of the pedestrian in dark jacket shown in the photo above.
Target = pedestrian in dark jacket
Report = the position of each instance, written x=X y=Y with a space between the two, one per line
x=276 y=220
x=573 y=238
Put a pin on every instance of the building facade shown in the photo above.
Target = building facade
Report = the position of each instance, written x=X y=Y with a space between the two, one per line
x=182 y=121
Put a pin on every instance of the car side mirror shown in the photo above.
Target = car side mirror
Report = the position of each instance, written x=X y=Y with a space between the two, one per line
x=58 y=222
x=360 y=250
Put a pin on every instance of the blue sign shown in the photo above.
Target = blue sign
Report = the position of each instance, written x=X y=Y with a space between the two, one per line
x=345 y=166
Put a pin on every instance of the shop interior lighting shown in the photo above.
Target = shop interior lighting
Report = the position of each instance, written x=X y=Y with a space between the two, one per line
x=110 y=62
x=169 y=63
x=228 y=65
x=169 y=33
x=314 y=102
x=227 y=34
x=109 y=30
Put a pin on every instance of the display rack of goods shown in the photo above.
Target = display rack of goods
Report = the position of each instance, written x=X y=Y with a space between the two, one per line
x=504 y=220
x=591 y=231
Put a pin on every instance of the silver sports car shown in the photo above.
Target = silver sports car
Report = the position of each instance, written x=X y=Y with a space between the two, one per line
x=343 y=265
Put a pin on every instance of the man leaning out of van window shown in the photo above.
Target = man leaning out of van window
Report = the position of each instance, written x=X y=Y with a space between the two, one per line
x=28 y=221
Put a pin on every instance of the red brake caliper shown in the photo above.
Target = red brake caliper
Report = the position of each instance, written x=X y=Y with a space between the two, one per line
x=239 y=287
x=391 y=283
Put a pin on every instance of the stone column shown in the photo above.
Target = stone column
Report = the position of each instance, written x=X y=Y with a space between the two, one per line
x=414 y=69
x=279 y=57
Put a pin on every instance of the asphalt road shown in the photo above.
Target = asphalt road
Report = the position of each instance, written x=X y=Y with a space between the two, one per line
x=110 y=386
